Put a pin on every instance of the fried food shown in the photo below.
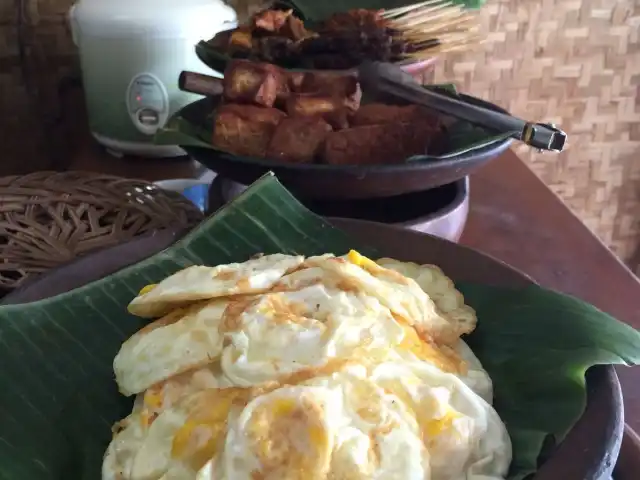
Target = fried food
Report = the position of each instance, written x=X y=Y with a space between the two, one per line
x=355 y=20
x=298 y=139
x=336 y=85
x=305 y=117
x=421 y=119
x=379 y=113
x=374 y=144
x=245 y=129
x=342 y=41
x=331 y=109
x=271 y=20
x=295 y=80
x=250 y=82
x=292 y=368
x=240 y=40
x=294 y=29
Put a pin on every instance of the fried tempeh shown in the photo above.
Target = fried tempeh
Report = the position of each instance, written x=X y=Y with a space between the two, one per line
x=245 y=129
x=374 y=144
x=298 y=140
x=379 y=113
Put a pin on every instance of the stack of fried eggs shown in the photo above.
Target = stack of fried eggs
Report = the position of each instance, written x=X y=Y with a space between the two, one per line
x=286 y=367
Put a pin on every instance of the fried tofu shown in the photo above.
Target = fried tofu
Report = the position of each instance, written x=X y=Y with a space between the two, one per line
x=253 y=83
x=336 y=85
x=298 y=139
x=245 y=129
x=374 y=144
x=331 y=109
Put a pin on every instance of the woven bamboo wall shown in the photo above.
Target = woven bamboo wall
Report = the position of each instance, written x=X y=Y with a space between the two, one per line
x=36 y=53
x=573 y=62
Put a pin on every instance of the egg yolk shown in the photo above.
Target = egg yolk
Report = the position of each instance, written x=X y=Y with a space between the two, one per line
x=147 y=289
x=362 y=261
x=429 y=426
x=198 y=440
x=435 y=426
x=423 y=350
x=152 y=403
x=289 y=439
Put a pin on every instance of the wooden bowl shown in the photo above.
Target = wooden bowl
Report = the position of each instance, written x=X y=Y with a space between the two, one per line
x=628 y=465
x=590 y=450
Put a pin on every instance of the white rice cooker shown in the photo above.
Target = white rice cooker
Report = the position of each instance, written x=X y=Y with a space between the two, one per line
x=131 y=54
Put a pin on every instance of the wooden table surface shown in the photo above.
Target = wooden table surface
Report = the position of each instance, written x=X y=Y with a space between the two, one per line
x=517 y=219
x=513 y=217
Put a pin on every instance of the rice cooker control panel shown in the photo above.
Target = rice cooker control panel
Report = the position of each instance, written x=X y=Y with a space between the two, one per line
x=147 y=103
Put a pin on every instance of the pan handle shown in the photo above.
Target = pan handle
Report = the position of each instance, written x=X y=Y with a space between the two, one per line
x=206 y=85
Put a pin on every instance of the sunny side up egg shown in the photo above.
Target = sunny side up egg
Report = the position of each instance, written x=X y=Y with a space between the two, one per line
x=318 y=368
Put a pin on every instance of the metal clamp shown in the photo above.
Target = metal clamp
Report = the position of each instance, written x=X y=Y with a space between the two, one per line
x=544 y=136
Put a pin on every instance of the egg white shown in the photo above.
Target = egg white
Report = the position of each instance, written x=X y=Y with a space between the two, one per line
x=440 y=289
x=462 y=432
x=201 y=282
x=341 y=426
x=183 y=340
x=402 y=295
x=291 y=331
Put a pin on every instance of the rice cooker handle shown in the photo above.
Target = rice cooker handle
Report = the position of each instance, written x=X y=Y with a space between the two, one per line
x=73 y=23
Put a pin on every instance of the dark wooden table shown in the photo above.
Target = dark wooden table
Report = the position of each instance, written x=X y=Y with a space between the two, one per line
x=514 y=217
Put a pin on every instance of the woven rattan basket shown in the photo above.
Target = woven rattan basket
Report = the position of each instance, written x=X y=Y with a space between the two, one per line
x=49 y=218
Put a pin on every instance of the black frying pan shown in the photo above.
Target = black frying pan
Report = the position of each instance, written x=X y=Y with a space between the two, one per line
x=347 y=181
x=389 y=83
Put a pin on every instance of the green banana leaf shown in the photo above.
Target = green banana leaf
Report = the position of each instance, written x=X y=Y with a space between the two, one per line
x=59 y=400
x=192 y=126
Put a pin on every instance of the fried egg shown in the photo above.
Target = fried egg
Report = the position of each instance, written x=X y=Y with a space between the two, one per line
x=440 y=289
x=402 y=295
x=283 y=435
x=182 y=340
x=396 y=422
x=200 y=283
x=324 y=368
x=281 y=333
x=463 y=434
x=179 y=442
x=475 y=377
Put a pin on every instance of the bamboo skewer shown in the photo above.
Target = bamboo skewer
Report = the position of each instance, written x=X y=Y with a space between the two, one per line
x=417 y=31
x=394 y=12
x=434 y=26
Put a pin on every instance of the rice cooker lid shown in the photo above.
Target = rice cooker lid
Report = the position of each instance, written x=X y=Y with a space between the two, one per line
x=200 y=19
